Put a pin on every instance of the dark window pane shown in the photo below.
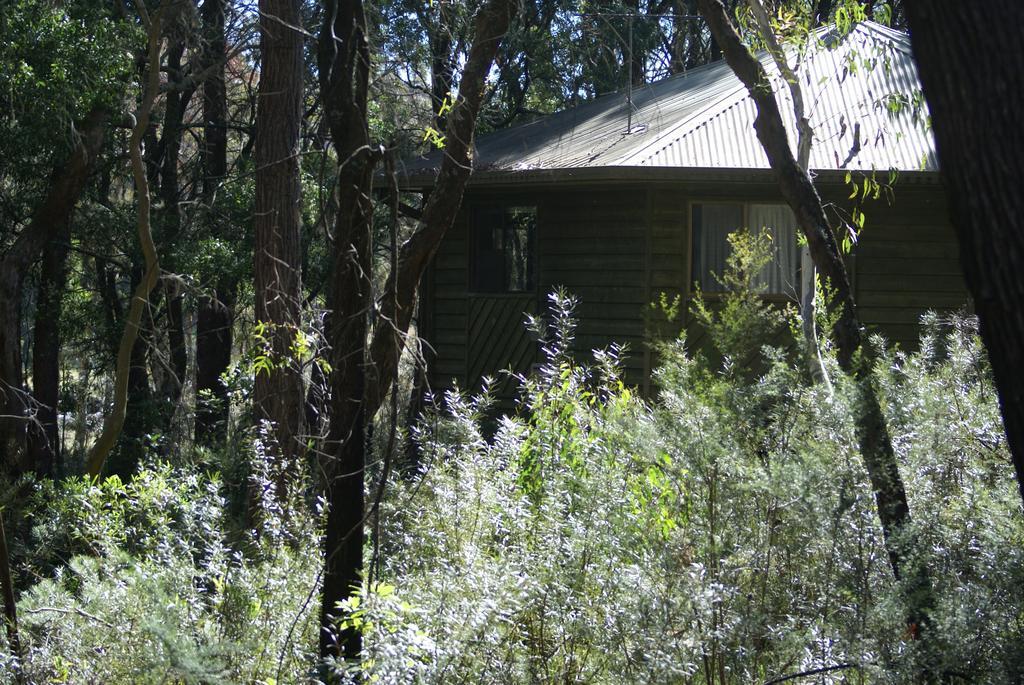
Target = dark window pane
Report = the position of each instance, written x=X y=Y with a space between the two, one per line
x=503 y=249
x=712 y=224
x=487 y=267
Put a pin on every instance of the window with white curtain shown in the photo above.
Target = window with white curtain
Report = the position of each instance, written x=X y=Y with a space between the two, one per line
x=714 y=221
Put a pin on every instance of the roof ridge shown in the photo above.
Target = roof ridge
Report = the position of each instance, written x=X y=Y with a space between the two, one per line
x=729 y=99
x=639 y=156
x=621 y=92
x=722 y=103
x=869 y=27
x=902 y=40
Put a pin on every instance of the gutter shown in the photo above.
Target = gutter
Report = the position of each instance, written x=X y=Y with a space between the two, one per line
x=645 y=174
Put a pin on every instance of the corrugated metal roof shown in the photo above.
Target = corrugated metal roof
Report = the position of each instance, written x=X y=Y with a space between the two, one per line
x=704 y=119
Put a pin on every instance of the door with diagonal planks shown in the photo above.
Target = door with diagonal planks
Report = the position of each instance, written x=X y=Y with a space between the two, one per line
x=499 y=340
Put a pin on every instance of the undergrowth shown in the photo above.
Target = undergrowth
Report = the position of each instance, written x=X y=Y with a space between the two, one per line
x=722 y=532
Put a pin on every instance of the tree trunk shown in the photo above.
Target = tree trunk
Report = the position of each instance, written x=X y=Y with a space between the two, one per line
x=805 y=138
x=44 y=439
x=278 y=395
x=139 y=413
x=170 y=234
x=50 y=220
x=7 y=590
x=215 y=319
x=972 y=71
x=344 y=62
x=344 y=71
x=872 y=432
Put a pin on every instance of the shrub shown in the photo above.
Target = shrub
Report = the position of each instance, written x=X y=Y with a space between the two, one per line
x=139 y=582
x=724 y=532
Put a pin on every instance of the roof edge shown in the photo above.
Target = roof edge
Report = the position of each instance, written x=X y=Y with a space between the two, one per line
x=647 y=174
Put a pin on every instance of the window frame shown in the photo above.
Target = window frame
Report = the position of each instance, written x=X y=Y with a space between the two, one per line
x=693 y=278
x=472 y=248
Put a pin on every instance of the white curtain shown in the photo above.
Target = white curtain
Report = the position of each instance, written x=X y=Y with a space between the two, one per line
x=780 y=276
x=717 y=221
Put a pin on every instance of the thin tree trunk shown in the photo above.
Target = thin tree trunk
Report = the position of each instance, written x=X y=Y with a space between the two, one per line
x=344 y=71
x=53 y=214
x=139 y=414
x=872 y=432
x=114 y=421
x=278 y=395
x=215 y=318
x=805 y=139
x=972 y=70
x=170 y=233
x=7 y=589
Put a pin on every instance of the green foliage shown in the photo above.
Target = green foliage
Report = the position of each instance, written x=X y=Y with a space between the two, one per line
x=944 y=417
x=724 y=533
x=741 y=321
x=59 y=61
x=142 y=582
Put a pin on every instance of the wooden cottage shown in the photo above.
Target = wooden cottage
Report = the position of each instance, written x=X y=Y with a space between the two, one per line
x=629 y=196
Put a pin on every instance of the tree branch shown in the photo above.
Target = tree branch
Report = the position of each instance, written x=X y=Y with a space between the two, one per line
x=492 y=23
x=114 y=421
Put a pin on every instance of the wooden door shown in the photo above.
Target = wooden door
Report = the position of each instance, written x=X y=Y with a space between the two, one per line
x=498 y=340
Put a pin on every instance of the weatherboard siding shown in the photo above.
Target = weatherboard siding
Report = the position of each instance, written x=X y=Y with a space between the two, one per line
x=448 y=308
x=592 y=244
x=619 y=247
x=907 y=262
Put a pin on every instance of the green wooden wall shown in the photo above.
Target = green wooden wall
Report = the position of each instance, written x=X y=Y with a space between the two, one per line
x=618 y=246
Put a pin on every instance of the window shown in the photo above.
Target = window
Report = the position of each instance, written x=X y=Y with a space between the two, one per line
x=713 y=222
x=504 y=248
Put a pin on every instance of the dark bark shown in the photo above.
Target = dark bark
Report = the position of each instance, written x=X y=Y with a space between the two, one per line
x=442 y=205
x=44 y=437
x=66 y=187
x=215 y=318
x=344 y=63
x=278 y=395
x=214 y=323
x=170 y=234
x=7 y=589
x=872 y=432
x=344 y=71
x=972 y=71
x=106 y=287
